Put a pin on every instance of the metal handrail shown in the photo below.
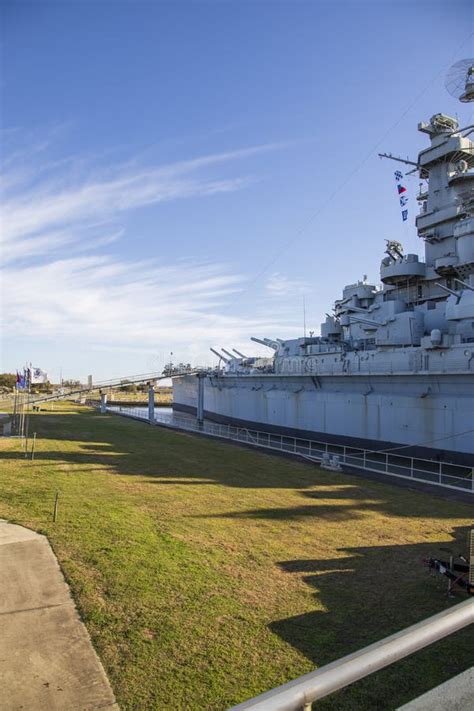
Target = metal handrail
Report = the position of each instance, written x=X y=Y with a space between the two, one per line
x=300 y=693
x=388 y=462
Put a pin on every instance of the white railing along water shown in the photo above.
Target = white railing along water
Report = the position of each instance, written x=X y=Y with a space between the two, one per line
x=388 y=462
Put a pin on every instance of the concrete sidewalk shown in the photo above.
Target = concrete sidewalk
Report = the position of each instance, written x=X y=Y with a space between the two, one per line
x=456 y=694
x=46 y=657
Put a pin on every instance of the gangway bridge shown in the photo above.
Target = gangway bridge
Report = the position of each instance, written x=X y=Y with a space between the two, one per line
x=114 y=384
x=24 y=399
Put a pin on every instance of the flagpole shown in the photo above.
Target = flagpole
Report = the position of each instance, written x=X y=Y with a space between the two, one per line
x=23 y=411
x=22 y=408
x=22 y=416
x=14 y=416
x=27 y=416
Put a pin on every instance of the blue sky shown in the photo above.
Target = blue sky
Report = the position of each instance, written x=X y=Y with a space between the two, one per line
x=178 y=175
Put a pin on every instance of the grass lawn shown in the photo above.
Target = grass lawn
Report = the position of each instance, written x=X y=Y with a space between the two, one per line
x=207 y=573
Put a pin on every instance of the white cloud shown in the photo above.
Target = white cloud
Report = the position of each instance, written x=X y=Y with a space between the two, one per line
x=59 y=281
x=279 y=285
x=103 y=302
x=46 y=205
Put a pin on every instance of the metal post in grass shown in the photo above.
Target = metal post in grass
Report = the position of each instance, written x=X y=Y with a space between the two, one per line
x=151 y=404
x=33 y=446
x=55 y=512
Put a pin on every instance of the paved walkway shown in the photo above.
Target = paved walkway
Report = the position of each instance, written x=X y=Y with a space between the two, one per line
x=46 y=657
x=456 y=694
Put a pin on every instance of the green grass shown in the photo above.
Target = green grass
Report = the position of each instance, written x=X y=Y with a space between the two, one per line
x=207 y=573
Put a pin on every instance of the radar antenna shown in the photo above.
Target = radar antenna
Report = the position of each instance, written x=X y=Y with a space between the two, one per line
x=460 y=80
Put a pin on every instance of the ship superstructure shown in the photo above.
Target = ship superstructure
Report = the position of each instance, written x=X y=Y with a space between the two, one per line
x=393 y=365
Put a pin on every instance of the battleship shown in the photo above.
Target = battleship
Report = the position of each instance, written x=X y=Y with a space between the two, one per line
x=393 y=366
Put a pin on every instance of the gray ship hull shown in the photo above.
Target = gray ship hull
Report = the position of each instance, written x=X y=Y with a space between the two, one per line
x=430 y=416
x=393 y=365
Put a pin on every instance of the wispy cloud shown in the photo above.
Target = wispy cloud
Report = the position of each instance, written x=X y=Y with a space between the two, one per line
x=62 y=278
x=48 y=204
x=279 y=285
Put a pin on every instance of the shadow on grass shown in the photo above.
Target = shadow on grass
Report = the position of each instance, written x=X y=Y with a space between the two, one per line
x=346 y=502
x=369 y=593
x=115 y=445
x=366 y=593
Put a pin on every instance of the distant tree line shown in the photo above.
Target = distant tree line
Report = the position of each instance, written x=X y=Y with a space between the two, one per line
x=71 y=384
x=127 y=386
x=8 y=382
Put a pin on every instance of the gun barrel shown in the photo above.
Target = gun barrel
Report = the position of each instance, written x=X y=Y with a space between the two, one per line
x=450 y=291
x=219 y=355
x=463 y=283
x=227 y=353
x=241 y=355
